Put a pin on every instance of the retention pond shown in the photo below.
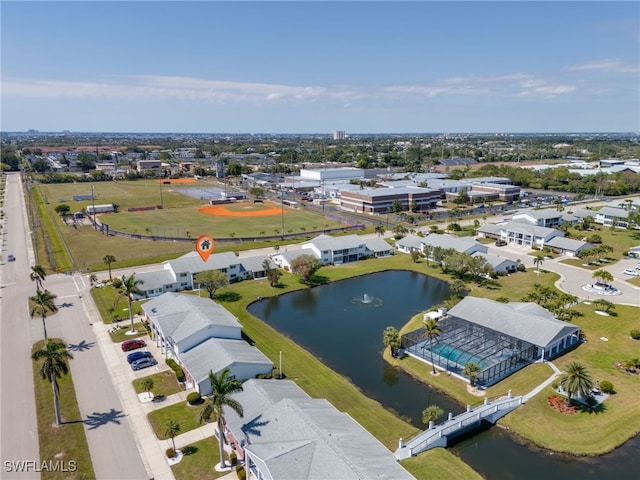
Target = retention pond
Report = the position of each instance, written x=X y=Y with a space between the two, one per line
x=342 y=323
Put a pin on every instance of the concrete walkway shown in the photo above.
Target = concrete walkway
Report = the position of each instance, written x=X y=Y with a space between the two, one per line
x=544 y=384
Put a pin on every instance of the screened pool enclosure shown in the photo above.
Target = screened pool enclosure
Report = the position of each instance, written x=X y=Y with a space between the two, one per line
x=460 y=342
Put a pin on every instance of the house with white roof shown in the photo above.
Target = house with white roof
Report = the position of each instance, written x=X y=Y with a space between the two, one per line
x=179 y=322
x=244 y=361
x=284 y=434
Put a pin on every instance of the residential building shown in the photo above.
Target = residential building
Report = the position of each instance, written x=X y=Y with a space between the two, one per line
x=459 y=244
x=549 y=218
x=612 y=216
x=568 y=246
x=519 y=233
x=499 y=264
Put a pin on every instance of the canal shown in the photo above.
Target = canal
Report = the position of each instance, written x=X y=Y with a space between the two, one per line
x=342 y=324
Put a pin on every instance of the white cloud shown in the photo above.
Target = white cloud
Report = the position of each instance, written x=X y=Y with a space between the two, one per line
x=608 y=66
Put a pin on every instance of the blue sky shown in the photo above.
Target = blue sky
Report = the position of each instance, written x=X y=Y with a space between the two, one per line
x=316 y=67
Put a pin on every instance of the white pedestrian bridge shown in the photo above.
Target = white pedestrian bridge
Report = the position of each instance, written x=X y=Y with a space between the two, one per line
x=438 y=435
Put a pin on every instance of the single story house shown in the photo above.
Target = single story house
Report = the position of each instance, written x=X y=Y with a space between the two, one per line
x=459 y=244
x=499 y=264
x=525 y=321
x=244 y=361
x=284 y=434
x=378 y=247
x=283 y=259
x=568 y=246
x=409 y=243
x=179 y=322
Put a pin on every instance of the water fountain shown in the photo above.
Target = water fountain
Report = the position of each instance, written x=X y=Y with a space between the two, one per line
x=367 y=300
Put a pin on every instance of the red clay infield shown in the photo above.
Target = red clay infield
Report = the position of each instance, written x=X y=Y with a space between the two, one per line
x=222 y=211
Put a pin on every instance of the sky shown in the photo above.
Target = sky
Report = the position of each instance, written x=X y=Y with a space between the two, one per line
x=316 y=67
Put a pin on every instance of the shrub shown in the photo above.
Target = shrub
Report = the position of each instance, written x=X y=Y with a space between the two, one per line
x=171 y=452
x=233 y=458
x=521 y=267
x=241 y=473
x=635 y=334
x=607 y=387
x=194 y=398
x=176 y=368
x=595 y=238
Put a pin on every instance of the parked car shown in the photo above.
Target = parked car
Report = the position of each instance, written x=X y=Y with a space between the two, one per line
x=143 y=363
x=500 y=243
x=631 y=271
x=638 y=266
x=132 y=344
x=132 y=357
x=11 y=257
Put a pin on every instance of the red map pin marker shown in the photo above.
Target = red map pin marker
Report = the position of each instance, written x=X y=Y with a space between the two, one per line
x=204 y=246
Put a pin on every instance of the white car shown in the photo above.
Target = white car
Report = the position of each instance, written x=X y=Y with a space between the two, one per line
x=631 y=271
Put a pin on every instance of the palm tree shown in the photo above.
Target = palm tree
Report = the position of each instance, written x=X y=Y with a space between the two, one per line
x=129 y=288
x=147 y=386
x=575 y=380
x=171 y=430
x=53 y=367
x=222 y=386
x=93 y=278
x=108 y=260
x=380 y=229
x=471 y=370
x=602 y=276
x=431 y=414
x=43 y=303
x=391 y=338
x=431 y=332
x=38 y=275
x=539 y=260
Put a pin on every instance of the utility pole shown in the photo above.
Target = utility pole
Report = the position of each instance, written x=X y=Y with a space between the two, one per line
x=93 y=200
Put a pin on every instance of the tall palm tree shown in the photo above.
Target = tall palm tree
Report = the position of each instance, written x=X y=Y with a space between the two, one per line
x=471 y=370
x=128 y=289
x=431 y=332
x=391 y=339
x=108 y=260
x=575 y=380
x=43 y=303
x=53 y=367
x=537 y=261
x=171 y=430
x=222 y=386
x=38 y=275
x=380 y=229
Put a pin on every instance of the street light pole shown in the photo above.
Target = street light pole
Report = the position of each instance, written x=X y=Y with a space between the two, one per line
x=280 y=368
x=282 y=209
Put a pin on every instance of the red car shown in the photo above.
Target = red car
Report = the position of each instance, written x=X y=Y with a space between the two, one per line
x=132 y=344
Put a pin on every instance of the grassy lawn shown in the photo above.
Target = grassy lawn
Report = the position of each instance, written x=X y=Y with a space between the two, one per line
x=105 y=298
x=182 y=413
x=591 y=433
x=620 y=240
x=121 y=334
x=198 y=461
x=436 y=464
x=67 y=442
x=164 y=383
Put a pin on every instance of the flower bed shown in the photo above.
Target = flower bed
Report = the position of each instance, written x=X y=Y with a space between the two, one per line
x=561 y=405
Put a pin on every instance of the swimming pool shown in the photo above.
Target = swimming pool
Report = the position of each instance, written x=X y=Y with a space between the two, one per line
x=456 y=355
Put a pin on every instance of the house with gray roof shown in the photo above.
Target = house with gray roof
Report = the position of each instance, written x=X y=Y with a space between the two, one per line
x=378 y=247
x=269 y=436
x=244 y=361
x=499 y=264
x=409 y=243
x=521 y=233
x=179 y=322
x=525 y=321
x=547 y=217
x=459 y=244
x=337 y=250
x=612 y=216
x=568 y=246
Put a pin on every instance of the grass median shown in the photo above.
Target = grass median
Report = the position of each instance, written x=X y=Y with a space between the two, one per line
x=67 y=442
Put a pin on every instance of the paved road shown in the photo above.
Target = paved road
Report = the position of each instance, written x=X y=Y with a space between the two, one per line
x=18 y=427
x=114 y=451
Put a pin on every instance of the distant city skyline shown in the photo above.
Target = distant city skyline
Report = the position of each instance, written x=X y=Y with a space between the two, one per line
x=320 y=67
